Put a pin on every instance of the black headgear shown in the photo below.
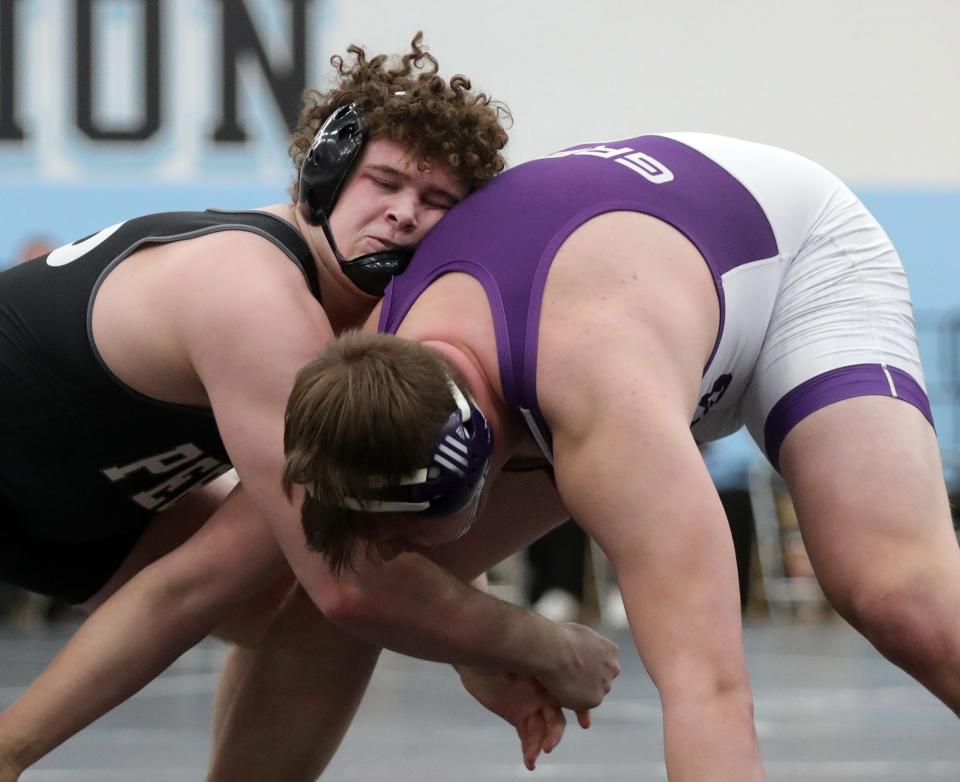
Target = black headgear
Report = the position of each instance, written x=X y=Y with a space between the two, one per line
x=454 y=475
x=325 y=168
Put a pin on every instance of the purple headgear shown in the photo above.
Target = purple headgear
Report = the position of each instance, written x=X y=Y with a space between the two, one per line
x=454 y=475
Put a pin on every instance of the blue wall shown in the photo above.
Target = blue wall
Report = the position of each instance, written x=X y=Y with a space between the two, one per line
x=921 y=225
x=65 y=212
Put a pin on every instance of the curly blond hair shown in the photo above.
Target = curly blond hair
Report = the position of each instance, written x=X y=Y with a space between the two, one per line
x=407 y=102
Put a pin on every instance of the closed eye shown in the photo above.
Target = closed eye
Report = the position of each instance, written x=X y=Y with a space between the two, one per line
x=385 y=184
x=436 y=198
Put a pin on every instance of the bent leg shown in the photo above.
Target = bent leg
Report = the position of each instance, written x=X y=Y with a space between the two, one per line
x=244 y=626
x=166 y=532
x=295 y=697
x=867 y=482
x=244 y=629
x=163 y=610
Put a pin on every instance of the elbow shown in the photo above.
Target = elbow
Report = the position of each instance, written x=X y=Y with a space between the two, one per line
x=348 y=605
x=354 y=599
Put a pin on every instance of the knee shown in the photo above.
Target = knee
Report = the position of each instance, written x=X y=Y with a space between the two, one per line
x=722 y=697
x=247 y=624
x=908 y=623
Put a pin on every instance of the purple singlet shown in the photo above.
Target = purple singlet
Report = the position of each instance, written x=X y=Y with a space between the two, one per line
x=507 y=233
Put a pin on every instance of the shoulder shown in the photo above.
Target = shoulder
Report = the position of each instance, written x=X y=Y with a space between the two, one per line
x=236 y=268
x=239 y=290
x=236 y=251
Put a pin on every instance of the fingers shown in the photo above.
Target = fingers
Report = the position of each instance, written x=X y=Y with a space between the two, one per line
x=532 y=732
x=541 y=732
x=583 y=717
x=555 y=723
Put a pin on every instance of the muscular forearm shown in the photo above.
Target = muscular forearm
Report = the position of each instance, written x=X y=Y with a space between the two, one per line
x=414 y=607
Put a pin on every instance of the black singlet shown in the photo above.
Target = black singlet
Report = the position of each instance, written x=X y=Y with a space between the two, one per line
x=85 y=461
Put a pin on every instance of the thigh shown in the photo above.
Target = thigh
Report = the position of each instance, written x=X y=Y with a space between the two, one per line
x=165 y=532
x=521 y=507
x=866 y=479
x=247 y=624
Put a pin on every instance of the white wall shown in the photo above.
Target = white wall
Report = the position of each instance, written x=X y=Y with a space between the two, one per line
x=869 y=88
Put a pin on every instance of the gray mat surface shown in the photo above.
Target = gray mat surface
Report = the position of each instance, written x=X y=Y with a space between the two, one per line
x=828 y=709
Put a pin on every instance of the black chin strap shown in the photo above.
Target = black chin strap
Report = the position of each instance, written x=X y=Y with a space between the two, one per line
x=372 y=272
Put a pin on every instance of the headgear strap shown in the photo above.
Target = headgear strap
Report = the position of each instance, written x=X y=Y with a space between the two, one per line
x=455 y=473
x=323 y=172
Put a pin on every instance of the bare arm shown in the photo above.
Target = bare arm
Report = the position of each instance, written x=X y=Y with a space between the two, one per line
x=409 y=605
x=140 y=630
x=412 y=606
x=307 y=667
x=630 y=472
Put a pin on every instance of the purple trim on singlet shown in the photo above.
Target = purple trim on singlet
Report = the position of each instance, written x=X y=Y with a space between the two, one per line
x=386 y=305
x=512 y=228
x=835 y=386
x=410 y=295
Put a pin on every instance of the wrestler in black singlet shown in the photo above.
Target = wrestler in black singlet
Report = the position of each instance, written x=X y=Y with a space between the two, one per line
x=85 y=461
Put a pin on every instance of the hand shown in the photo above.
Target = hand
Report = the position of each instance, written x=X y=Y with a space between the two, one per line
x=586 y=675
x=524 y=703
x=9 y=771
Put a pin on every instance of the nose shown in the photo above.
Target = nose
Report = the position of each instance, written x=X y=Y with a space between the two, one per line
x=402 y=211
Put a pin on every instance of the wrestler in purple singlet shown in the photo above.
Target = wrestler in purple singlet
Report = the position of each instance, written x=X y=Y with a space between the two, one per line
x=508 y=245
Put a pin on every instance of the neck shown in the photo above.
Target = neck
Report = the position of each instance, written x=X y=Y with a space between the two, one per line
x=346 y=306
x=508 y=433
